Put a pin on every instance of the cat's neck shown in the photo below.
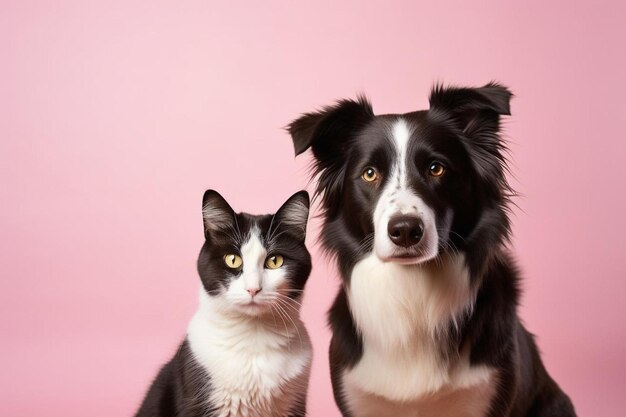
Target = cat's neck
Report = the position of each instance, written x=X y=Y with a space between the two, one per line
x=218 y=319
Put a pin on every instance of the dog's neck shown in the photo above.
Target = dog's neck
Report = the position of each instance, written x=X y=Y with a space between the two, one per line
x=393 y=304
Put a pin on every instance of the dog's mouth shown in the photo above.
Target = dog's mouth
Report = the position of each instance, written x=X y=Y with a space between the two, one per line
x=408 y=257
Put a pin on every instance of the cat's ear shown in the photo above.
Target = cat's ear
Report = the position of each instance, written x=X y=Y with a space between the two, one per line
x=217 y=214
x=292 y=217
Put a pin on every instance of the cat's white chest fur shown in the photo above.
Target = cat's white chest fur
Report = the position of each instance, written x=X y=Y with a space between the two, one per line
x=255 y=370
x=399 y=310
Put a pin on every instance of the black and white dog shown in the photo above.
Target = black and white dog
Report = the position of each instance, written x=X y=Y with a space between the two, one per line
x=415 y=213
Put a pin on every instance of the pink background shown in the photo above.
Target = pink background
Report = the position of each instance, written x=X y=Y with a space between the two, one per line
x=115 y=116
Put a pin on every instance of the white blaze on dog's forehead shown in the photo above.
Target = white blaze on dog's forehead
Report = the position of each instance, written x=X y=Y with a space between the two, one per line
x=400 y=133
x=399 y=198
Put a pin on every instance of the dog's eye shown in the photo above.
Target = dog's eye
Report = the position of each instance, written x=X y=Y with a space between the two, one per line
x=233 y=261
x=274 y=262
x=436 y=169
x=370 y=174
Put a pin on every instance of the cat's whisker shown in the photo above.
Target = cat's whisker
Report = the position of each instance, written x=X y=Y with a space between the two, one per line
x=273 y=316
x=272 y=230
x=269 y=230
x=273 y=237
x=290 y=319
x=271 y=234
x=288 y=299
x=281 y=314
x=284 y=302
x=285 y=297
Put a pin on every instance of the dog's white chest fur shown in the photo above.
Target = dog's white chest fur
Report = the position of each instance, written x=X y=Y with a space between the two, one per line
x=255 y=371
x=400 y=312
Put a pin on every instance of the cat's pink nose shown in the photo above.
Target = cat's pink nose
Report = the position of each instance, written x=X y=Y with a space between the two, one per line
x=254 y=291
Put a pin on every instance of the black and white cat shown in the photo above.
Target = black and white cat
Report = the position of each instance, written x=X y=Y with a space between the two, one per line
x=247 y=353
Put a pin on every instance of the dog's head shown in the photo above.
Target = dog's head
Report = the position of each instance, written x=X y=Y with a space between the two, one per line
x=410 y=186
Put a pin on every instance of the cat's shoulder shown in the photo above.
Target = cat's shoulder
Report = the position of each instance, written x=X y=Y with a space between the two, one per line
x=180 y=388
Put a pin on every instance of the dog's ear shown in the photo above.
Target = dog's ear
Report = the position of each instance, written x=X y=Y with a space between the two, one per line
x=474 y=109
x=329 y=133
x=217 y=215
x=476 y=112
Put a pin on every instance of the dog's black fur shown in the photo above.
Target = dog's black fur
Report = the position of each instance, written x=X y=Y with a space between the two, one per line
x=461 y=127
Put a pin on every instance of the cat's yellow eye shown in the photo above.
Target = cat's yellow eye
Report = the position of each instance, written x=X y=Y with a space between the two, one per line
x=274 y=262
x=370 y=174
x=436 y=169
x=233 y=261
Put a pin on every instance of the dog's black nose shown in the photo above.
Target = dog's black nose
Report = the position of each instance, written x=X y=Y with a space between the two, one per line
x=405 y=231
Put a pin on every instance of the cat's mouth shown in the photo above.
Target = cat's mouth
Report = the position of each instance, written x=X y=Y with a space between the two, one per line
x=254 y=307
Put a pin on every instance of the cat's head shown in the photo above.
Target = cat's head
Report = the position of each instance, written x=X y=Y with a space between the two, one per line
x=254 y=265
